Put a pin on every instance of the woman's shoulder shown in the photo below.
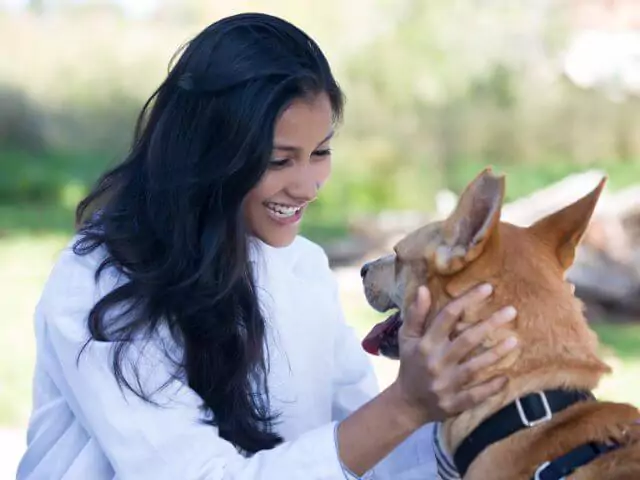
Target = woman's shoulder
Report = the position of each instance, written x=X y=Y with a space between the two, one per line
x=301 y=252
x=303 y=258
x=309 y=251
x=73 y=281
x=312 y=263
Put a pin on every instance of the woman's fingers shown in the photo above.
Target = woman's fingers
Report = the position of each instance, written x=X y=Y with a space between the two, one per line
x=466 y=372
x=413 y=324
x=472 y=337
x=474 y=396
x=445 y=320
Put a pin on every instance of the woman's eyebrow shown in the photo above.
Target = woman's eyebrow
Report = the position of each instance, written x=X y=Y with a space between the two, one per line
x=293 y=148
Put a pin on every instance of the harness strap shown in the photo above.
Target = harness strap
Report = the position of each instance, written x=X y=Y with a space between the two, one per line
x=524 y=412
x=569 y=462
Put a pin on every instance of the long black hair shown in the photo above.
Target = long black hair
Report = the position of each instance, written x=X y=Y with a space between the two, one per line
x=170 y=215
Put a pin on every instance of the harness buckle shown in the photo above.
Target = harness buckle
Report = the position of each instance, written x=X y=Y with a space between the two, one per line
x=532 y=423
x=540 y=470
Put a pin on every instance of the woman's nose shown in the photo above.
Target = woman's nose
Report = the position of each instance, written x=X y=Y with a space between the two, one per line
x=305 y=190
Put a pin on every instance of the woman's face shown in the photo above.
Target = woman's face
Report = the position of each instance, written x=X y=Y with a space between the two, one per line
x=300 y=164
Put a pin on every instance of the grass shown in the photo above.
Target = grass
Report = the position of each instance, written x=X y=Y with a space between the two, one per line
x=26 y=262
x=31 y=237
x=35 y=220
x=51 y=177
x=624 y=340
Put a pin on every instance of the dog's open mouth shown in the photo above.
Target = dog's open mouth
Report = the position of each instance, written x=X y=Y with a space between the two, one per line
x=383 y=338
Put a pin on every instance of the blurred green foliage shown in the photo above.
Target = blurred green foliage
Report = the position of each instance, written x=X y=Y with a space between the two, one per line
x=55 y=177
x=436 y=91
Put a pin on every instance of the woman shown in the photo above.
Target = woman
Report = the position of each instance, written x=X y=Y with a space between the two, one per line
x=189 y=333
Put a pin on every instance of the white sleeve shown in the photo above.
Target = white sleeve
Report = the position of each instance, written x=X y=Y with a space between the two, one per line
x=146 y=441
x=354 y=384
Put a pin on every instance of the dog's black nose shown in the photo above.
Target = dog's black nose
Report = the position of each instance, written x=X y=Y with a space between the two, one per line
x=364 y=270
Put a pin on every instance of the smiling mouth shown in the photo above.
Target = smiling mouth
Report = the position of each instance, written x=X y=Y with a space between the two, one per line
x=282 y=210
x=383 y=337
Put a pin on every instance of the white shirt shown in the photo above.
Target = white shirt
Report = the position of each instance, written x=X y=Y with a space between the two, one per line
x=84 y=426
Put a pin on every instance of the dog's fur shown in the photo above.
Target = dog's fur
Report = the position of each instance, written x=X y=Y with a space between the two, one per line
x=556 y=347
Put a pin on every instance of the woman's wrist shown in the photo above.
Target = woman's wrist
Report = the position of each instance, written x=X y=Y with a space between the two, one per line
x=413 y=414
x=370 y=433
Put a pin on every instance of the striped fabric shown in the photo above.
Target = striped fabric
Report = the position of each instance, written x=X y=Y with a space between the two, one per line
x=446 y=468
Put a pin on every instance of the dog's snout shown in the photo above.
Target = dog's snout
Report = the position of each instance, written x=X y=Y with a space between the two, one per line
x=364 y=270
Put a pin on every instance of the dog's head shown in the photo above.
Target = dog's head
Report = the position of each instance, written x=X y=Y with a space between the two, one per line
x=525 y=265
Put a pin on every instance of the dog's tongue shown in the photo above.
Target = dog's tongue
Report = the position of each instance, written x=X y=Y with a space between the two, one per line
x=374 y=338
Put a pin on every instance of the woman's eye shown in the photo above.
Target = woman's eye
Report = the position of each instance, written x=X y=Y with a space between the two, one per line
x=322 y=153
x=279 y=163
x=283 y=162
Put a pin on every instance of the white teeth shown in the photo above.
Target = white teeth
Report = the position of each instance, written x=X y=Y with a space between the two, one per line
x=282 y=211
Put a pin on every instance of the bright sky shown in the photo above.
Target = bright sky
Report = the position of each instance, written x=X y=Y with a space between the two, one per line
x=135 y=8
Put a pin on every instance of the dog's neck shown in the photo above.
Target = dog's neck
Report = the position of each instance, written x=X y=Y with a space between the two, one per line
x=548 y=363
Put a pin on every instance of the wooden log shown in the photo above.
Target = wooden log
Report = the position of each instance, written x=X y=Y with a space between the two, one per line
x=528 y=209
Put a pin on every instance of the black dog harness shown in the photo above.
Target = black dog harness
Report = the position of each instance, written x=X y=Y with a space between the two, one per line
x=570 y=462
x=527 y=412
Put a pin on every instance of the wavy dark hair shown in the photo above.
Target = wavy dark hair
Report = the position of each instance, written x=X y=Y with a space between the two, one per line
x=170 y=215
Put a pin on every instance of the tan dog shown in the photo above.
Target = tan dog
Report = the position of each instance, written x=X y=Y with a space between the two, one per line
x=557 y=352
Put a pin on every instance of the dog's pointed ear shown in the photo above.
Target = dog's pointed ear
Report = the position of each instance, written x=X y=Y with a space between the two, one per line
x=468 y=229
x=564 y=229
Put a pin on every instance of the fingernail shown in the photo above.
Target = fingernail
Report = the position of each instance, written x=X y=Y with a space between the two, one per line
x=507 y=314
x=486 y=289
x=420 y=293
x=511 y=342
x=418 y=299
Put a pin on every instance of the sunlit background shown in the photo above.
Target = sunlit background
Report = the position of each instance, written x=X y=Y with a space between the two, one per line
x=544 y=90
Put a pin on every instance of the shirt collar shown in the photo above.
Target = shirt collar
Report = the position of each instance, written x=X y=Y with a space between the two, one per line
x=282 y=257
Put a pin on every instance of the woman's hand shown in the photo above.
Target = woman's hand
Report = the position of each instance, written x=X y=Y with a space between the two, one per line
x=432 y=379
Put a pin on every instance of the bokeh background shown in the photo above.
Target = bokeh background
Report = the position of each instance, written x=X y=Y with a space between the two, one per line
x=540 y=89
